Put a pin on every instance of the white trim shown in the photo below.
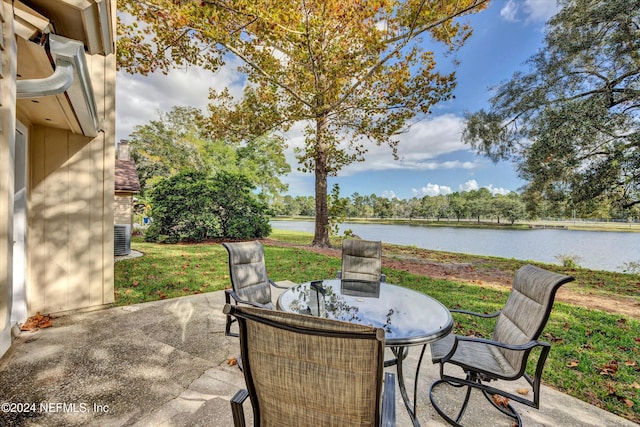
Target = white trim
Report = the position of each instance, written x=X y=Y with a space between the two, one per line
x=19 y=281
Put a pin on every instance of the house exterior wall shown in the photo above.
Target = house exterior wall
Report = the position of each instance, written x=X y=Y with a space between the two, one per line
x=123 y=209
x=70 y=208
x=7 y=141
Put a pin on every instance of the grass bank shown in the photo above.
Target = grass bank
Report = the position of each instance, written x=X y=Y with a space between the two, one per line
x=595 y=356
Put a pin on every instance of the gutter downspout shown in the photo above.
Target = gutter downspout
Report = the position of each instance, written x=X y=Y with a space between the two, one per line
x=71 y=75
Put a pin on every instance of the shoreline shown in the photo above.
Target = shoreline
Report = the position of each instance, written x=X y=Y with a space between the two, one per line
x=578 y=225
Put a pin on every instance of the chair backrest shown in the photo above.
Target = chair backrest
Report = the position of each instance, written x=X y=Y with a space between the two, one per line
x=248 y=272
x=304 y=370
x=527 y=309
x=361 y=260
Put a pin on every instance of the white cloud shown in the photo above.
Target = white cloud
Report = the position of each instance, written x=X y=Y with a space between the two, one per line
x=498 y=190
x=432 y=190
x=509 y=11
x=473 y=185
x=140 y=98
x=469 y=185
x=540 y=10
x=419 y=148
x=529 y=10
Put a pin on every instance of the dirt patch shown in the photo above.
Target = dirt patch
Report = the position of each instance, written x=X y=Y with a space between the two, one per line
x=496 y=278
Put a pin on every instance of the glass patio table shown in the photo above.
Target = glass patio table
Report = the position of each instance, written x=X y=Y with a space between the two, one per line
x=408 y=318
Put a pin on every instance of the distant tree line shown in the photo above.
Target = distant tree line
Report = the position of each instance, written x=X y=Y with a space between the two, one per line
x=479 y=205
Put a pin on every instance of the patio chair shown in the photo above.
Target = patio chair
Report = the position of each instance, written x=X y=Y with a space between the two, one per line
x=361 y=260
x=505 y=355
x=308 y=371
x=249 y=281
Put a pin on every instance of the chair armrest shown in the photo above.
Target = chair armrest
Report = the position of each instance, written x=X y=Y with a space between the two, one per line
x=238 y=300
x=471 y=313
x=389 y=400
x=236 y=408
x=515 y=347
x=521 y=347
x=275 y=285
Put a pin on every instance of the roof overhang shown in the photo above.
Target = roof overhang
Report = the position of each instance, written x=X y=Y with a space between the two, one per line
x=54 y=86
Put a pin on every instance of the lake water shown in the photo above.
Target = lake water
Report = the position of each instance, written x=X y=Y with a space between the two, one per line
x=595 y=250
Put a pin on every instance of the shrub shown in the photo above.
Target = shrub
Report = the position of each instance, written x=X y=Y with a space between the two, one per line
x=193 y=207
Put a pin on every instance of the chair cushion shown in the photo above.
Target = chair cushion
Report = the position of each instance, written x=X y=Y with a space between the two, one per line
x=248 y=272
x=527 y=309
x=361 y=260
x=477 y=356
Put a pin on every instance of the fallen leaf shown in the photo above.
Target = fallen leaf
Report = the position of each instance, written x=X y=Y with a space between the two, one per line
x=630 y=363
x=500 y=400
x=573 y=364
x=232 y=361
x=635 y=385
x=611 y=369
x=628 y=402
x=523 y=391
x=38 y=321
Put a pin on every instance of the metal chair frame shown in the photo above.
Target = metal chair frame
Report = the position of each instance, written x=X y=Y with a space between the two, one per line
x=476 y=377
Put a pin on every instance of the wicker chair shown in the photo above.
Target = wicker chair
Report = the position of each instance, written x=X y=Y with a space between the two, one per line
x=307 y=371
x=249 y=281
x=361 y=260
x=505 y=355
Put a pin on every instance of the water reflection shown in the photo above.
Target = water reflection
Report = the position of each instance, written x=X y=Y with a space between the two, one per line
x=360 y=288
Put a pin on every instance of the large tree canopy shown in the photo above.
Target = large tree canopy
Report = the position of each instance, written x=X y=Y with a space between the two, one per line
x=355 y=71
x=572 y=122
x=178 y=141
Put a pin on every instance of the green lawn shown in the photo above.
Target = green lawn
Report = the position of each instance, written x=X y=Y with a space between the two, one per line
x=595 y=356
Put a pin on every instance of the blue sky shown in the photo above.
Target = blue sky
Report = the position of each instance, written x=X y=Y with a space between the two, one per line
x=433 y=160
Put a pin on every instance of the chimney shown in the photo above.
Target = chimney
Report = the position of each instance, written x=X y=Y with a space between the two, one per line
x=124 y=150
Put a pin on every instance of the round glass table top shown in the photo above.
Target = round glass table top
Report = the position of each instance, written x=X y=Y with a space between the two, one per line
x=407 y=317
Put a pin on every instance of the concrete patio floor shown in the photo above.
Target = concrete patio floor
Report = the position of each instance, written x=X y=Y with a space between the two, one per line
x=164 y=363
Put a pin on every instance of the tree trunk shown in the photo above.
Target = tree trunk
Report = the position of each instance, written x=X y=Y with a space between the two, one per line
x=321 y=237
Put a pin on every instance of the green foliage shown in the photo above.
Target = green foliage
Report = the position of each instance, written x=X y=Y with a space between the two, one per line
x=572 y=122
x=192 y=207
x=181 y=140
x=337 y=211
x=568 y=260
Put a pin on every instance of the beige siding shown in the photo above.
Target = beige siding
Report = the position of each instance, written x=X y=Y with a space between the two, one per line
x=123 y=209
x=70 y=211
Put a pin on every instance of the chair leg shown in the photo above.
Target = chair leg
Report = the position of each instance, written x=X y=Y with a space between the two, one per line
x=471 y=382
x=236 y=408
x=230 y=320
x=448 y=419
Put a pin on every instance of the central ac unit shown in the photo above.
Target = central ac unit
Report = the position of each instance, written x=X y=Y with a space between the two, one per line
x=122 y=239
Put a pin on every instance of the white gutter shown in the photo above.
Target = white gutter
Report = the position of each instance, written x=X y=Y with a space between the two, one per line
x=71 y=76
